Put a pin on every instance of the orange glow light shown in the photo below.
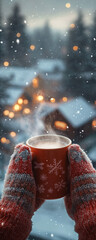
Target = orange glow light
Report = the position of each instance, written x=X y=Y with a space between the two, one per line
x=18 y=35
x=68 y=5
x=7 y=141
x=6 y=112
x=52 y=100
x=3 y=140
x=32 y=47
x=11 y=115
x=94 y=123
x=75 y=48
x=64 y=99
x=13 y=134
x=26 y=111
x=40 y=98
x=25 y=101
x=72 y=25
x=35 y=83
x=16 y=107
x=20 y=100
x=6 y=64
x=60 y=125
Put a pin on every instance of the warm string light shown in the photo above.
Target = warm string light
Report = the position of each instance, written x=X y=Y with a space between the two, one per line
x=11 y=114
x=18 y=35
x=67 y=5
x=20 y=101
x=6 y=112
x=26 y=111
x=35 y=83
x=72 y=25
x=61 y=125
x=52 y=100
x=75 y=48
x=64 y=99
x=6 y=64
x=13 y=134
x=32 y=47
x=40 y=98
x=94 y=123
x=16 y=107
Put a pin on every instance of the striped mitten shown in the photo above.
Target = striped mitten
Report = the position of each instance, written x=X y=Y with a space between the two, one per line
x=18 y=201
x=81 y=201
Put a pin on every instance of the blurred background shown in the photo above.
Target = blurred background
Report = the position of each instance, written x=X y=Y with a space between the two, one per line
x=47 y=85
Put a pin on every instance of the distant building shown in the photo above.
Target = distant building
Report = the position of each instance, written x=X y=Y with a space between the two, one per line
x=50 y=66
x=75 y=119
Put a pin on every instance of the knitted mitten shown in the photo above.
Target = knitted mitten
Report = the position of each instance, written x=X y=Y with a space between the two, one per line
x=18 y=201
x=81 y=202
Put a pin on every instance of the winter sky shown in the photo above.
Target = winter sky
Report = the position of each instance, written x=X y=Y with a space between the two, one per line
x=37 y=12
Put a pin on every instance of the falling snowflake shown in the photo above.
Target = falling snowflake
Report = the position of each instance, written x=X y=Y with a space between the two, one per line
x=41 y=188
x=43 y=177
x=53 y=168
x=59 y=185
x=39 y=165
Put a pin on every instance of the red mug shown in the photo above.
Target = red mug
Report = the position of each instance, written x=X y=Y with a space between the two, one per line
x=50 y=165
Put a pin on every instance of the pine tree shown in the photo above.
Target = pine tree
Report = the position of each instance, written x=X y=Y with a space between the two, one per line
x=17 y=38
x=93 y=44
x=76 y=47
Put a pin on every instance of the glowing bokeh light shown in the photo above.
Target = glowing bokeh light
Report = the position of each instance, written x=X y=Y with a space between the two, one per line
x=20 y=101
x=75 y=48
x=52 y=100
x=6 y=112
x=26 y=111
x=18 y=35
x=6 y=64
x=64 y=99
x=11 y=114
x=32 y=47
x=35 y=83
x=60 y=125
x=40 y=98
x=25 y=101
x=94 y=123
x=16 y=107
x=72 y=25
x=67 y=5
x=13 y=134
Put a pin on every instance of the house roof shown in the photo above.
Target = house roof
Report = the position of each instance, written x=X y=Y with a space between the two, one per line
x=20 y=79
x=44 y=109
x=50 y=65
x=52 y=76
x=77 y=111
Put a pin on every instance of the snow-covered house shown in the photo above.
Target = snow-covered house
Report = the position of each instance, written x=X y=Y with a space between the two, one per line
x=50 y=66
x=73 y=119
x=20 y=78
